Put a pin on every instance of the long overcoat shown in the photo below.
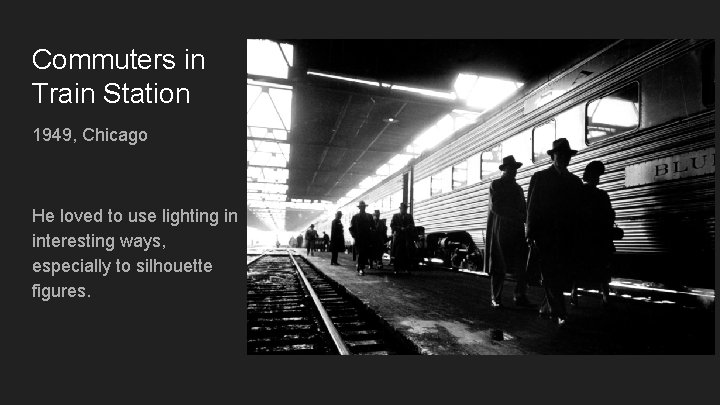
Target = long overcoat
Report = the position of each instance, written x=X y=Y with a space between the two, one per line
x=403 y=234
x=310 y=236
x=552 y=221
x=505 y=249
x=597 y=247
x=362 y=228
x=337 y=236
x=380 y=237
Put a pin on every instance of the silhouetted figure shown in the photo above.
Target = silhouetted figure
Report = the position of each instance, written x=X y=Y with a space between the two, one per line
x=380 y=237
x=506 y=249
x=300 y=241
x=403 y=245
x=326 y=241
x=337 y=238
x=361 y=228
x=597 y=247
x=553 y=201
x=310 y=237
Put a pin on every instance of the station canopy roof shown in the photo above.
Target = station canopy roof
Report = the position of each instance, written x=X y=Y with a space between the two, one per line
x=328 y=119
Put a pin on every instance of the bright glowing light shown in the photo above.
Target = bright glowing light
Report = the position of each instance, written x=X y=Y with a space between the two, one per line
x=398 y=87
x=354 y=193
x=425 y=92
x=464 y=85
x=344 y=78
x=370 y=181
x=489 y=92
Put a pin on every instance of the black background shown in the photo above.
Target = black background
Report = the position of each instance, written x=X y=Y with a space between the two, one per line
x=181 y=337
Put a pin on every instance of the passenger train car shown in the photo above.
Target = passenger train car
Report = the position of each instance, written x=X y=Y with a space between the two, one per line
x=645 y=108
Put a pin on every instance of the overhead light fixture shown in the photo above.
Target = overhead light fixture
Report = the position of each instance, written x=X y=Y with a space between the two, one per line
x=391 y=120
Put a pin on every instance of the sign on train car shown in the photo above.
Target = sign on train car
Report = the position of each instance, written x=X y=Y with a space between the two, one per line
x=680 y=166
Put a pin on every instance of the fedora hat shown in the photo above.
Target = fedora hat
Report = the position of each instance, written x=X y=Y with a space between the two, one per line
x=376 y=212
x=403 y=204
x=561 y=145
x=509 y=161
x=362 y=204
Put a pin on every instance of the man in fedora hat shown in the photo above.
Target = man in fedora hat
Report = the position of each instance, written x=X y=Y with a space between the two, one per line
x=403 y=245
x=506 y=249
x=362 y=229
x=379 y=239
x=553 y=204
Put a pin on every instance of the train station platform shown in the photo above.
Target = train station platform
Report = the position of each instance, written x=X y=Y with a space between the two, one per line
x=447 y=312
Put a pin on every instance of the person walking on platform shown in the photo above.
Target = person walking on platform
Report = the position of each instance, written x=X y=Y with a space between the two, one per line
x=299 y=241
x=362 y=229
x=553 y=200
x=380 y=237
x=337 y=238
x=310 y=237
x=597 y=219
x=325 y=242
x=403 y=234
x=506 y=249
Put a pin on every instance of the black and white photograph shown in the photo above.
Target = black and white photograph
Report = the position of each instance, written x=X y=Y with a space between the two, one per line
x=480 y=196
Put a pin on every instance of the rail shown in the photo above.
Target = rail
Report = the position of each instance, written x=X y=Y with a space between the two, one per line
x=257 y=258
x=339 y=343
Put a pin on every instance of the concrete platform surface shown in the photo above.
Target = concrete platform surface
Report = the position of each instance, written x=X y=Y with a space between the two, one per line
x=447 y=312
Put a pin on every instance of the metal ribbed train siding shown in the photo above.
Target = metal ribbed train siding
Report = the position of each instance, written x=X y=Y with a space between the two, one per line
x=669 y=225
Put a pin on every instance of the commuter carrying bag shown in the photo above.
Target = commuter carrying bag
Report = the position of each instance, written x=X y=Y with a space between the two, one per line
x=617 y=232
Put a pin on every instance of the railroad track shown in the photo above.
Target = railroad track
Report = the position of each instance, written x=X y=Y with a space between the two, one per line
x=294 y=308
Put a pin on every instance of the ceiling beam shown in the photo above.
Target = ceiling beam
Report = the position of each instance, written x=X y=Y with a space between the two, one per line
x=322 y=145
x=379 y=134
x=356 y=172
x=317 y=82
x=334 y=132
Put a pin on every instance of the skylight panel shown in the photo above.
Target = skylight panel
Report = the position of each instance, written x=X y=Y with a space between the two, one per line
x=489 y=92
x=252 y=94
x=271 y=109
x=274 y=188
x=265 y=58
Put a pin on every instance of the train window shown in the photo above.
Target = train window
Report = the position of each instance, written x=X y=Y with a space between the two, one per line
x=518 y=146
x=570 y=124
x=616 y=113
x=491 y=161
x=422 y=189
x=473 y=167
x=543 y=136
x=441 y=182
x=459 y=175
x=708 y=75
x=436 y=184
